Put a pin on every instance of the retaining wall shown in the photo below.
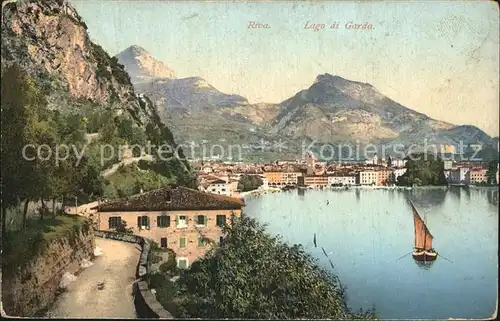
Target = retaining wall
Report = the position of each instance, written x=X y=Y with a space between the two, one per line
x=145 y=302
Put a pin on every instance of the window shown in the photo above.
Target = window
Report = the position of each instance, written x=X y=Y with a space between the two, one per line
x=164 y=242
x=143 y=222
x=181 y=221
x=201 y=220
x=221 y=220
x=182 y=242
x=163 y=221
x=114 y=221
x=182 y=263
x=201 y=242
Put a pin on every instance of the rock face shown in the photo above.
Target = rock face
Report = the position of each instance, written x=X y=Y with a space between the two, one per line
x=141 y=66
x=50 y=37
x=34 y=287
x=49 y=40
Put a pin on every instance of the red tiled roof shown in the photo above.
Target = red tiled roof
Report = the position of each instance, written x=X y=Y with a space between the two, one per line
x=173 y=198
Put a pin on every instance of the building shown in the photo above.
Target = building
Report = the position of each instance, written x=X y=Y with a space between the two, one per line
x=310 y=163
x=448 y=164
x=182 y=219
x=398 y=162
x=383 y=177
x=342 y=179
x=458 y=175
x=476 y=176
x=367 y=177
x=282 y=178
x=316 y=181
x=396 y=172
x=220 y=187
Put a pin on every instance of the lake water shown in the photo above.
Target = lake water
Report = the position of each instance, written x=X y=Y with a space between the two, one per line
x=366 y=231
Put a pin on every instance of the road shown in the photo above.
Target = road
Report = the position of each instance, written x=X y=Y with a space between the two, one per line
x=116 y=267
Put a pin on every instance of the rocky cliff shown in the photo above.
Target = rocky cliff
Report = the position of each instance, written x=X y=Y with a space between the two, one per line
x=32 y=287
x=49 y=40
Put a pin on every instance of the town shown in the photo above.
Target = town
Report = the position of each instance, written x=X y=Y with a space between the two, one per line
x=222 y=177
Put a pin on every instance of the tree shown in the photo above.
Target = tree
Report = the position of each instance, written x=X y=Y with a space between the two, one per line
x=255 y=275
x=492 y=172
x=122 y=228
x=23 y=108
x=423 y=169
x=249 y=182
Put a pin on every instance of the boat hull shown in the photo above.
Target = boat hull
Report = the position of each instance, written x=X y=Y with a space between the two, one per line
x=424 y=256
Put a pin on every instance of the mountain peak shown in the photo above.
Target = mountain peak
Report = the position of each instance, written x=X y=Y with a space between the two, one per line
x=335 y=80
x=136 y=50
x=141 y=66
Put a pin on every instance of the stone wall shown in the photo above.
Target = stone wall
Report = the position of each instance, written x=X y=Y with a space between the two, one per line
x=146 y=304
x=27 y=291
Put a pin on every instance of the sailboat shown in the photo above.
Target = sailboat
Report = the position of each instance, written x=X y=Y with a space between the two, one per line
x=423 y=251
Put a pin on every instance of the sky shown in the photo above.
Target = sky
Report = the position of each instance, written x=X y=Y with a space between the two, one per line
x=438 y=58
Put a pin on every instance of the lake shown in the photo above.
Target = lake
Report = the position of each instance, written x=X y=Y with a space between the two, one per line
x=366 y=231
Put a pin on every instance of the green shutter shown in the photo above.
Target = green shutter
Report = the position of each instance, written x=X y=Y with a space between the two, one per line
x=182 y=242
x=168 y=221
x=139 y=221
x=177 y=220
x=205 y=220
x=201 y=241
x=147 y=222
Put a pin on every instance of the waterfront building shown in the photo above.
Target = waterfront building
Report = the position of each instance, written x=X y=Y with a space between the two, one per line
x=342 y=179
x=476 y=176
x=367 y=177
x=185 y=220
x=316 y=181
x=383 y=176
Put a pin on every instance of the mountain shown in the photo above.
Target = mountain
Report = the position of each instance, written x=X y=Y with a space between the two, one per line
x=331 y=110
x=153 y=78
x=49 y=40
x=334 y=109
x=141 y=66
x=193 y=93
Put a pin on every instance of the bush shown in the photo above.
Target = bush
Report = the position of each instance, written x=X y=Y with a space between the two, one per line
x=257 y=276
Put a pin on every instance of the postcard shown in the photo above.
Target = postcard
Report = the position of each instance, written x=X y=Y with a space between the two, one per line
x=250 y=159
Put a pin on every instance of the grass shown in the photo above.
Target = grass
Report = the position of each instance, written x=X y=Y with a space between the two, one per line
x=21 y=247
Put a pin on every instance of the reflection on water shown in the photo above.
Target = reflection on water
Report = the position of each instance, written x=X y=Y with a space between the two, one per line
x=424 y=265
x=368 y=230
x=492 y=195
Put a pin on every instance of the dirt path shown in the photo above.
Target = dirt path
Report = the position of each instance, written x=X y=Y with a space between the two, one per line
x=116 y=267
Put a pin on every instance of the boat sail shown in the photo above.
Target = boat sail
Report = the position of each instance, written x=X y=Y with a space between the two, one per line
x=423 y=251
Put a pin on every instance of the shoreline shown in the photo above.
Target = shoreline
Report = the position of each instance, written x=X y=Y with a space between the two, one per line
x=258 y=192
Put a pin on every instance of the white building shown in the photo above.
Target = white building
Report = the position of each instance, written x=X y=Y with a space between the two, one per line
x=220 y=187
x=207 y=169
x=396 y=172
x=398 y=162
x=344 y=180
x=265 y=182
x=368 y=178
x=458 y=175
x=448 y=164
